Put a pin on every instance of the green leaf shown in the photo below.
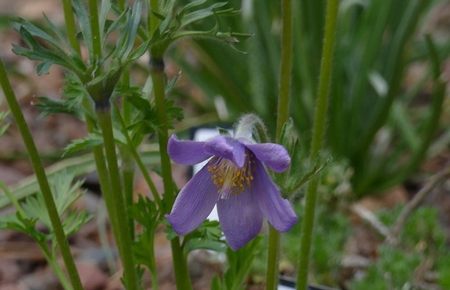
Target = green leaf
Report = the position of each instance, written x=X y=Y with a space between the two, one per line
x=199 y=243
x=126 y=43
x=84 y=144
x=201 y=14
x=65 y=194
x=48 y=106
x=207 y=236
x=73 y=222
x=22 y=224
x=145 y=212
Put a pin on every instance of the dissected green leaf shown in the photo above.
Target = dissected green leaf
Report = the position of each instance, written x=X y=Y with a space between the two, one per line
x=84 y=144
x=48 y=106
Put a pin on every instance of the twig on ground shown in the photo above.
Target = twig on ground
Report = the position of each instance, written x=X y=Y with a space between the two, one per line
x=371 y=219
x=414 y=203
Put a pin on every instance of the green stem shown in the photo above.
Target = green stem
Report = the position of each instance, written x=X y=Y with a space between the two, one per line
x=273 y=259
x=182 y=278
x=286 y=66
x=70 y=26
x=95 y=29
x=121 y=4
x=119 y=204
x=282 y=117
x=127 y=160
x=12 y=198
x=55 y=266
x=41 y=178
x=152 y=21
x=140 y=163
x=320 y=117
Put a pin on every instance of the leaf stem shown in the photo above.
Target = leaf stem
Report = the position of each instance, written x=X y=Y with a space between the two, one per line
x=139 y=162
x=282 y=117
x=41 y=178
x=320 y=117
x=12 y=198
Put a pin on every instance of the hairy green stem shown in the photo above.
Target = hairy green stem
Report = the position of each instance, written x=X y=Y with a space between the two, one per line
x=70 y=25
x=285 y=67
x=182 y=278
x=320 y=117
x=41 y=178
x=119 y=204
x=282 y=117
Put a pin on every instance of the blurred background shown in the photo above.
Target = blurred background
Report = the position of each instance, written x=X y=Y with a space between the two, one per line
x=388 y=137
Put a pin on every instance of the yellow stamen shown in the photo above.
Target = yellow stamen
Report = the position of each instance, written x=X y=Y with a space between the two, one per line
x=230 y=179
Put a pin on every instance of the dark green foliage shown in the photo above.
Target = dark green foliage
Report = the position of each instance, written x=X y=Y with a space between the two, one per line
x=146 y=214
x=239 y=264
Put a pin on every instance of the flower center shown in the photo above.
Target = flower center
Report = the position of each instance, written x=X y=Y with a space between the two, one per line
x=229 y=178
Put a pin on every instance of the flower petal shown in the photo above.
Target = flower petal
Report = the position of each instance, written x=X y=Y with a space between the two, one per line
x=272 y=155
x=240 y=219
x=194 y=203
x=227 y=148
x=186 y=152
x=278 y=211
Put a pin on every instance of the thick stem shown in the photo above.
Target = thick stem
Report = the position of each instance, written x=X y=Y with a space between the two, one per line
x=320 y=117
x=38 y=168
x=158 y=78
x=119 y=204
x=70 y=25
x=282 y=117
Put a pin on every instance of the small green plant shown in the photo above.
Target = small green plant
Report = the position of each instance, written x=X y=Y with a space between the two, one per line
x=421 y=249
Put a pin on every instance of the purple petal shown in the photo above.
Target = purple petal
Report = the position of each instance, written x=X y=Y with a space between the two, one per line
x=227 y=148
x=240 y=219
x=272 y=155
x=277 y=210
x=186 y=152
x=194 y=203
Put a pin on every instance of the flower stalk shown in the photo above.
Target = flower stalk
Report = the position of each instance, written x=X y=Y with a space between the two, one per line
x=282 y=117
x=182 y=278
x=41 y=177
x=320 y=117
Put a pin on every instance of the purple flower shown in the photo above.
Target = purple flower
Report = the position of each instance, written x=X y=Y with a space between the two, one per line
x=236 y=180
